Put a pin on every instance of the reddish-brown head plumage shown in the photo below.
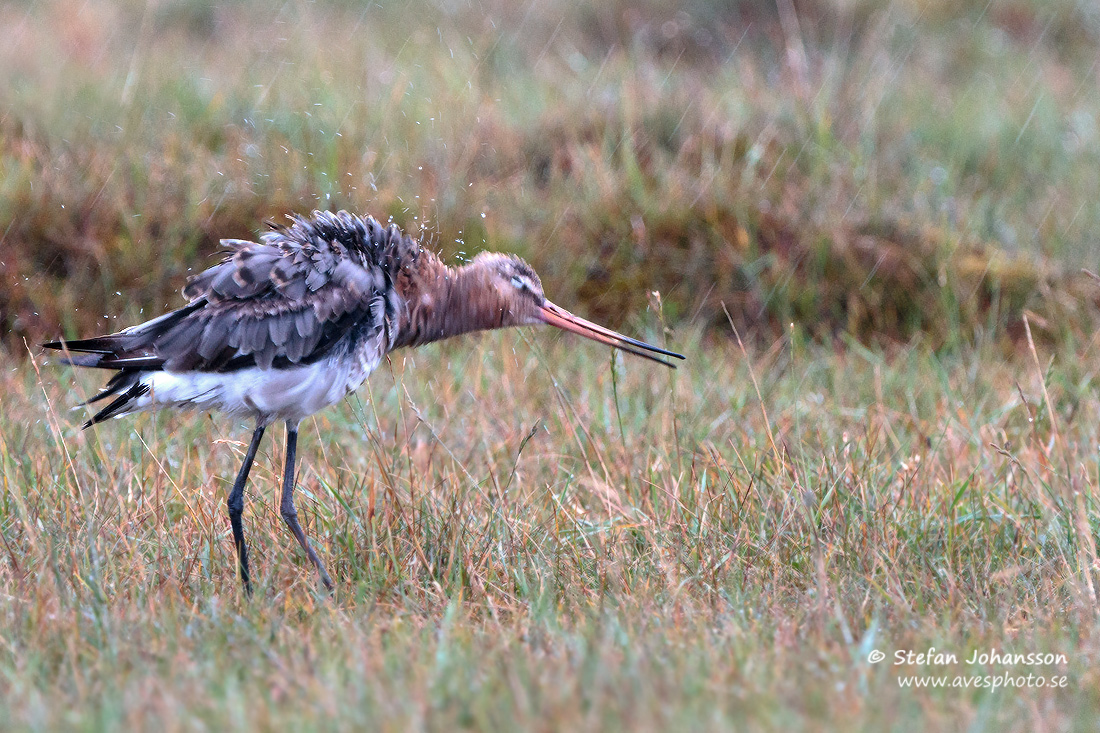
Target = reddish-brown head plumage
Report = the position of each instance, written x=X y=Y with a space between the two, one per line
x=494 y=290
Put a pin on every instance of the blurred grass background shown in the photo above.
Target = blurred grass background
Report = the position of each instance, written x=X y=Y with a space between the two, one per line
x=874 y=169
x=525 y=533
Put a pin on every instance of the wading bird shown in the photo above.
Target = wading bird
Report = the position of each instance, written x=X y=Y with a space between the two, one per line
x=286 y=326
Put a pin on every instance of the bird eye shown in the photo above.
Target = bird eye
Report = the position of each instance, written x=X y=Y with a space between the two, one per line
x=518 y=284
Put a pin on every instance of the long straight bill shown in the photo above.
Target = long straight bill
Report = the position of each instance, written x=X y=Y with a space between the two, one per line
x=563 y=319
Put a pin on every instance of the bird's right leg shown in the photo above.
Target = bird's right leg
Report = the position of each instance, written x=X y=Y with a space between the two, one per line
x=290 y=514
x=235 y=503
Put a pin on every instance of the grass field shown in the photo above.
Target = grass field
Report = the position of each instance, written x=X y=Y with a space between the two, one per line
x=892 y=201
x=515 y=545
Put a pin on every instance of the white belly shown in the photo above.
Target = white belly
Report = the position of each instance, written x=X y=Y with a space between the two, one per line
x=266 y=395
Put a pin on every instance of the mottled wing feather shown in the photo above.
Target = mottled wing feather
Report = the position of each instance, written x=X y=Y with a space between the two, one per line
x=272 y=308
x=285 y=300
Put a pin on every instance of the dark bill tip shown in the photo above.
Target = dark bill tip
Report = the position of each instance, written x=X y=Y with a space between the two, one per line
x=563 y=319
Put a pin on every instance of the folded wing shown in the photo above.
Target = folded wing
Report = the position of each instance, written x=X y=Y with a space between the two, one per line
x=275 y=303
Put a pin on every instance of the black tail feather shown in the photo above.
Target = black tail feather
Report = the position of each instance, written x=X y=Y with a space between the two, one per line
x=109 y=352
x=105 y=352
x=118 y=405
x=118 y=382
x=134 y=348
x=97 y=345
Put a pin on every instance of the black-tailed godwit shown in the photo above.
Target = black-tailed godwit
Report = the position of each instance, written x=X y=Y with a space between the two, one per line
x=286 y=326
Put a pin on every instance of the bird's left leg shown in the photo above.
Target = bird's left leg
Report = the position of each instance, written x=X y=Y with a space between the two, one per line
x=286 y=506
x=235 y=503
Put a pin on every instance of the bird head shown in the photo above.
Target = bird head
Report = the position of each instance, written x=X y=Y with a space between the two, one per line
x=513 y=285
x=522 y=302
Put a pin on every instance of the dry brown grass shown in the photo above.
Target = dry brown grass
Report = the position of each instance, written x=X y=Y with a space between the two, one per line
x=696 y=567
